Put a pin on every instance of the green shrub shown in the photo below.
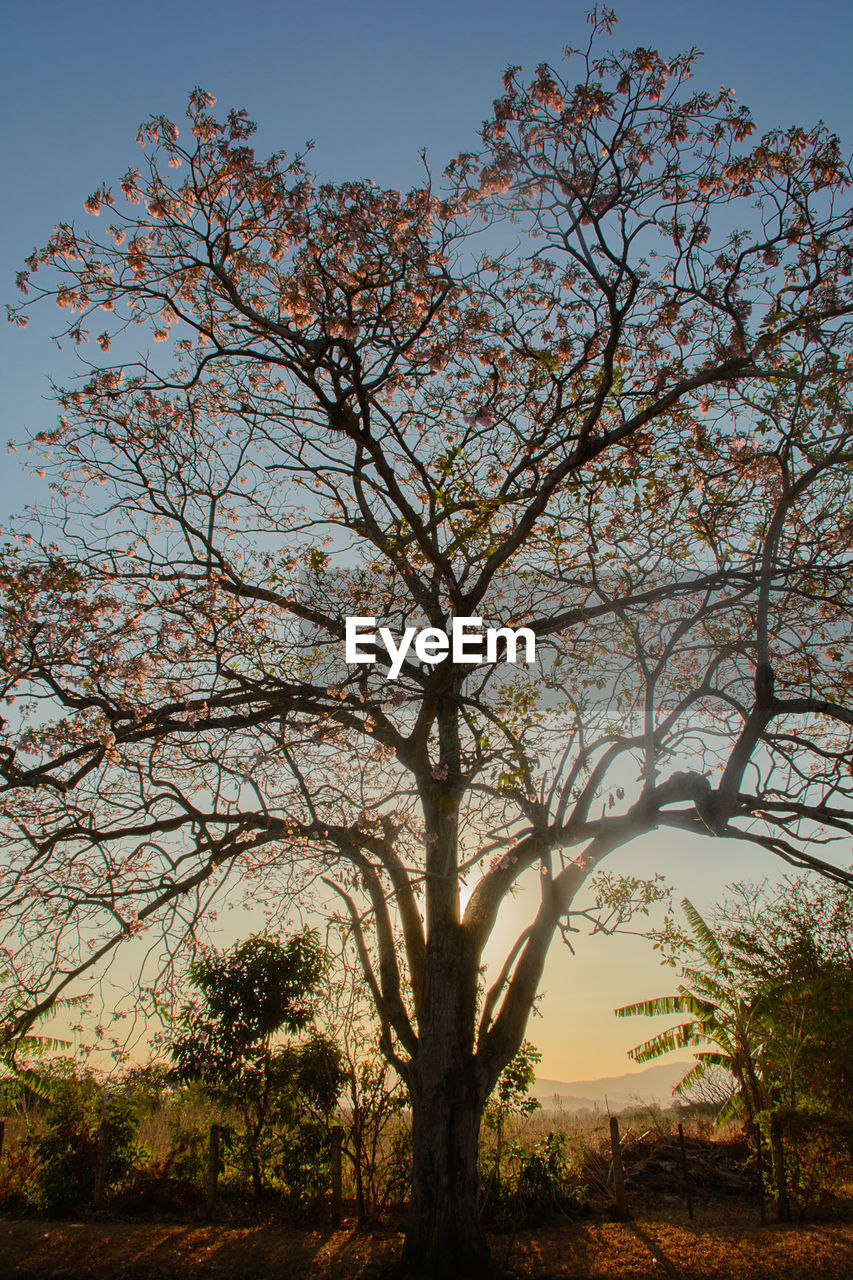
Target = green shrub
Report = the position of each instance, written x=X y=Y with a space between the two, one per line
x=541 y=1180
x=187 y=1156
x=816 y=1146
x=18 y=1171
x=66 y=1152
x=536 y=1184
x=304 y=1166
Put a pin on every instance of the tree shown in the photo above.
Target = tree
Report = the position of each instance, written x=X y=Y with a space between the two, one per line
x=249 y=995
x=768 y=994
x=792 y=946
x=597 y=385
x=22 y=1075
x=84 y=1124
x=725 y=1015
x=510 y=1097
x=731 y=1019
x=375 y=1137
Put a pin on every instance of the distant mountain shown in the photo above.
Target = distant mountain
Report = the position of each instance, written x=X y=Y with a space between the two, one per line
x=650 y=1085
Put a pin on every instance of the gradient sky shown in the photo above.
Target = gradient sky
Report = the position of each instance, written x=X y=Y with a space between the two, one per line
x=372 y=84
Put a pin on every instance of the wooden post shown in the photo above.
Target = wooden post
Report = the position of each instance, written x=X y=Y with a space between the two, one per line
x=212 y=1168
x=2 y=1135
x=100 y=1165
x=337 y=1136
x=759 y=1168
x=618 y=1172
x=777 y=1151
x=688 y=1190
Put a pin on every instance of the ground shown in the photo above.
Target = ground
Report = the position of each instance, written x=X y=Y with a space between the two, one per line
x=723 y=1244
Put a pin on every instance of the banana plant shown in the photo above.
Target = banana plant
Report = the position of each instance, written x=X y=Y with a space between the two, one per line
x=29 y=1044
x=725 y=1026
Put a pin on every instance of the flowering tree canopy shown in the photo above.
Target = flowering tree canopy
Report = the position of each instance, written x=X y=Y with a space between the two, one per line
x=597 y=385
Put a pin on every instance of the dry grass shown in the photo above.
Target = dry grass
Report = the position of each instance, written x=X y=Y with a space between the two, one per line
x=720 y=1245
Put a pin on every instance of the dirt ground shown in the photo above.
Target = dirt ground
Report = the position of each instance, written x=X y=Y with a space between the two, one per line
x=715 y=1247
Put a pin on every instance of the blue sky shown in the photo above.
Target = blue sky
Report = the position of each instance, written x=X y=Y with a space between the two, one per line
x=371 y=84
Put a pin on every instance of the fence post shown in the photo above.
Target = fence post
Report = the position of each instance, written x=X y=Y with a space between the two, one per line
x=777 y=1151
x=337 y=1136
x=759 y=1167
x=212 y=1168
x=618 y=1172
x=688 y=1191
x=100 y=1164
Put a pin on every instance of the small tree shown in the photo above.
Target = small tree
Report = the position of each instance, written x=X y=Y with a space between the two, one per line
x=510 y=1098
x=768 y=994
x=795 y=944
x=249 y=996
x=722 y=1015
x=86 y=1123
x=769 y=990
x=376 y=1133
x=725 y=1015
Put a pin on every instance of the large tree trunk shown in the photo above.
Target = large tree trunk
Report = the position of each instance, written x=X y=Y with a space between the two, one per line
x=448 y=1085
x=444 y=1237
x=448 y=1088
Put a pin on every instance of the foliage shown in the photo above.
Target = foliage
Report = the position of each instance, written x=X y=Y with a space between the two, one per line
x=18 y=1178
x=376 y=1136
x=79 y=1116
x=511 y=1095
x=794 y=946
x=509 y=1099
x=23 y=1077
x=722 y=1016
x=817 y=1144
x=149 y=1084
x=188 y=1139
x=303 y=1164
x=258 y=988
x=249 y=995
x=539 y=1183
x=523 y=1183
x=160 y=1186
x=770 y=991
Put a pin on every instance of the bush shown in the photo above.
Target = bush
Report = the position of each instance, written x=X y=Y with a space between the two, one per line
x=188 y=1139
x=536 y=1184
x=226 y=1042
x=304 y=1166
x=66 y=1152
x=158 y=1188
x=18 y=1170
x=541 y=1183
x=816 y=1145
